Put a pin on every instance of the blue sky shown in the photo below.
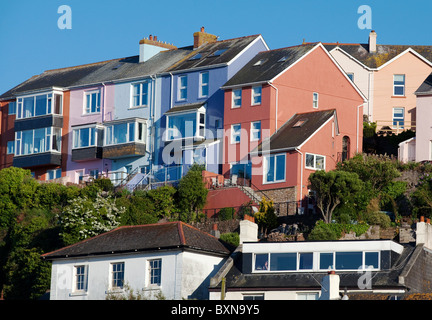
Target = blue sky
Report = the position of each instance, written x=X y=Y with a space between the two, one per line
x=31 y=41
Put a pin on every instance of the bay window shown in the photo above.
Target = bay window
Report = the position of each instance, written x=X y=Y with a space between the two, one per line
x=274 y=168
x=84 y=137
x=37 y=141
x=39 y=105
x=124 y=132
x=186 y=125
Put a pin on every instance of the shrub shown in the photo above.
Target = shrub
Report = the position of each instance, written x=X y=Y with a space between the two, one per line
x=378 y=218
x=232 y=238
x=226 y=214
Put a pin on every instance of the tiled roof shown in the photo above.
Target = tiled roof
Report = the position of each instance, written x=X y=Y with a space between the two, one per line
x=383 y=54
x=268 y=64
x=298 y=129
x=426 y=87
x=211 y=54
x=129 y=239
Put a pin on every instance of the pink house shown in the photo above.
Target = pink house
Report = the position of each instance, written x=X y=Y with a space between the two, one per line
x=290 y=112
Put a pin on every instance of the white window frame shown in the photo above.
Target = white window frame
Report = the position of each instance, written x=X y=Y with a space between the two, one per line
x=87 y=110
x=399 y=85
x=48 y=136
x=351 y=76
x=181 y=88
x=50 y=105
x=80 y=279
x=112 y=273
x=235 y=98
x=275 y=168
x=54 y=173
x=203 y=85
x=151 y=269
x=108 y=131
x=254 y=130
x=235 y=134
x=315 y=161
x=75 y=137
x=141 y=96
x=398 y=119
x=256 y=94
x=315 y=99
x=197 y=130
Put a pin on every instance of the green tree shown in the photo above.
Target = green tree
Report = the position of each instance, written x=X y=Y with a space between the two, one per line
x=191 y=193
x=331 y=188
x=84 y=218
x=266 y=217
x=163 y=201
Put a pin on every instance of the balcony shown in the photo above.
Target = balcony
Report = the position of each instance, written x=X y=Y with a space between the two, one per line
x=124 y=150
x=37 y=159
x=50 y=120
x=87 y=154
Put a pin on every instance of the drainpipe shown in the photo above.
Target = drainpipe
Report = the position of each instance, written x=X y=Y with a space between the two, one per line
x=277 y=98
x=358 y=127
x=301 y=174
x=152 y=112
x=172 y=89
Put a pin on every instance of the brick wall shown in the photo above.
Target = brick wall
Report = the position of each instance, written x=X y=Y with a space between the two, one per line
x=284 y=198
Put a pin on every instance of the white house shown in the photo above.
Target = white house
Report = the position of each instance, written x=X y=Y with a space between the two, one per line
x=173 y=259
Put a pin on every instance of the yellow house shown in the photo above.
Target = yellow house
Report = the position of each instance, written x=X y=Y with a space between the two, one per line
x=388 y=76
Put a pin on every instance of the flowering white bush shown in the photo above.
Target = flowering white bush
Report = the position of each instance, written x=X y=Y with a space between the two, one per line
x=83 y=218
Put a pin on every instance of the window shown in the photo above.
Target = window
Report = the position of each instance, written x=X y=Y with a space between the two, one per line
x=92 y=102
x=195 y=57
x=399 y=85
x=38 y=140
x=235 y=133
x=218 y=52
x=326 y=261
x=186 y=125
x=236 y=98
x=12 y=108
x=307 y=296
x=94 y=173
x=140 y=94
x=182 y=88
x=306 y=261
x=155 y=272
x=39 y=105
x=371 y=260
x=398 y=118
x=256 y=95
x=259 y=296
x=283 y=261
x=84 y=137
x=124 y=133
x=80 y=278
x=349 y=260
x=204 y=84
x=10 y=147
x=274 y=168
x=117 y=275
x=351 y=76
x=255 y=131
x=53 y=174
x=315 y=100
x=315 y=162
x=261 y=261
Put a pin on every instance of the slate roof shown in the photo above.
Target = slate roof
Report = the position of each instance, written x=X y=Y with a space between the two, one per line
x=130 y=239
x=383 y=54
x=206 y=57
x=426 y=87
x=290 y=136
x=273 y=63
x=385 y=279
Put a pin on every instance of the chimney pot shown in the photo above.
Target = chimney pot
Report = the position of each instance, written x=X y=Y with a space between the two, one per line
x=214 y=226
x=421 y=219
x=150 y=37
x=202 y=29
x=428 y=221
x=155 y=38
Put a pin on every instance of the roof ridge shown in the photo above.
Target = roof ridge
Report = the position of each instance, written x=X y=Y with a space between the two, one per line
x=85 y=65
x=289 y=47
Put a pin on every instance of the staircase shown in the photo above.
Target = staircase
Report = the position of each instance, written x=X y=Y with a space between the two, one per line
x=255 y=196
x=136 y=180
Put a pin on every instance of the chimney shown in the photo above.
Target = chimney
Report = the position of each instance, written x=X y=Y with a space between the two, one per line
x=330 y=287
x=215 y=232
x=248 y=229
x=152 y=46
x=201 y=37
x=424 y=233
x=372 y=41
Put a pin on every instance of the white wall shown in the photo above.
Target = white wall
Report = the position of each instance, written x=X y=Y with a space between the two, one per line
x=182 y=274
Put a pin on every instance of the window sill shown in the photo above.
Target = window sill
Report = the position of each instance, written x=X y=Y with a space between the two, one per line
x=398 y=97
x=78 y=294
x=273 y=182
x=90 y=114
x=138 y=107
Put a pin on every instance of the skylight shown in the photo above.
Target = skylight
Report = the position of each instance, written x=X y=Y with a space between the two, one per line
x=260 y=62
x=299 y=123
x=218 y=52
x=196 y=57
x=284 y=58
